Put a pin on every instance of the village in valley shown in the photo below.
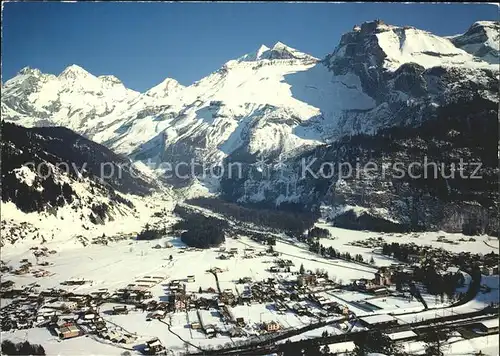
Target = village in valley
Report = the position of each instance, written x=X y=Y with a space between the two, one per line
x=257 y=293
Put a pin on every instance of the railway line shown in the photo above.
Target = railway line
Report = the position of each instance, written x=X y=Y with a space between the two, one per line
x=352 y=336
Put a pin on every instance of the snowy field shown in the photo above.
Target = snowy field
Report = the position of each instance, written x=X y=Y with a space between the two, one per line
x=63 y=230
x=341 y=240
x=458 y=346
x=120 y=263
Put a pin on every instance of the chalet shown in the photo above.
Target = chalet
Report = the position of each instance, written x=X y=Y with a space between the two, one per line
x=374 y=321
x=68 y=331
x=158 y=314
x=154 y=347
x=120 y=309
x=190 y=278
x=195 y=325
x=174 y=283
x=100 y=294
x=271 y=326
x=209 y=329
x=101 y=325
x=22 y=269
x=34 y=296
x=74 y=282
x=402 y=336
x=90 y=316
x=62 y=305
x=380 y=291
x=488 y=326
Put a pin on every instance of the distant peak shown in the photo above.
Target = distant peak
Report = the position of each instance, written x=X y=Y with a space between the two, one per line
x=73 y=71
x=166 y=87
x=30 y=71
x=278 y=51
x=261 y=50
x=169 y=83
x=486 y=24
x=279 y=45
x=109 y=79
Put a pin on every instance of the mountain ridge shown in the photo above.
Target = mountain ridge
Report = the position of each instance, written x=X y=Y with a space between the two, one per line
x=271 y=102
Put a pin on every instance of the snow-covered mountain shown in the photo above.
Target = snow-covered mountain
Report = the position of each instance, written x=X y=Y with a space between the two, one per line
x=270 y=101
x=274 y=101
x=481 y=40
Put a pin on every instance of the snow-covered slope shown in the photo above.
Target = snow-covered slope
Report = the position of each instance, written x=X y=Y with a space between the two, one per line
x=52 y=176
x=482 y=40
x=274 y=100
x=261 y=102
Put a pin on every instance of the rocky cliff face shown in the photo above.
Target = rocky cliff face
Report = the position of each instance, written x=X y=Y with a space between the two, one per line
x=441 y=175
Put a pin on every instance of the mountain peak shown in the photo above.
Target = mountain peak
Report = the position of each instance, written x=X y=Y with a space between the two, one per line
x=280 y=45
x=109 y=79
x=30 y=71
x=262 y=49
x=73 y=71
x=481 y=40
x=165 y=88
x=282 y=51
x=278 y=51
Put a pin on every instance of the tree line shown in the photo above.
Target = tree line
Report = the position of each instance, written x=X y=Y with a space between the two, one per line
x=199 y=230
x=295 y=223
x=21 y=348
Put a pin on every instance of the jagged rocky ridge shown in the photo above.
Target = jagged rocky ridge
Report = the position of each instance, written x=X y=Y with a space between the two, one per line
x=49 y=168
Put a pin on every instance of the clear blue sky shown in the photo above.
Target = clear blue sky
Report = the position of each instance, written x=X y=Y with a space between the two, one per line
x=143 y=43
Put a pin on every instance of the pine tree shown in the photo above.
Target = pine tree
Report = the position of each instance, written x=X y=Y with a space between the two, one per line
x=302 y=269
